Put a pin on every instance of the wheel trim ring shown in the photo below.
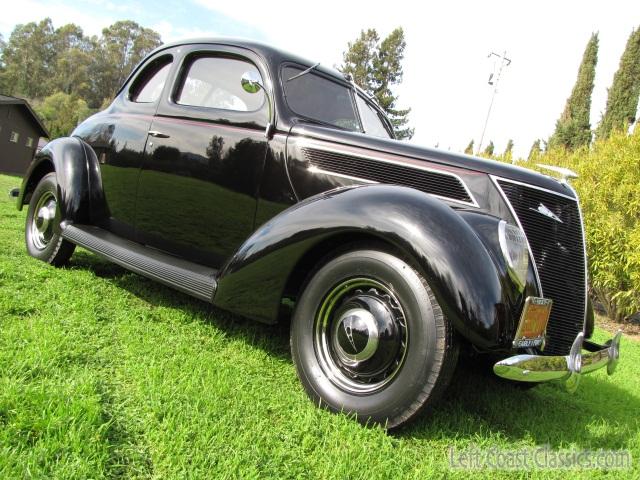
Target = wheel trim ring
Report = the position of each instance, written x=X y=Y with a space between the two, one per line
x=43 y=220
x=322 y=338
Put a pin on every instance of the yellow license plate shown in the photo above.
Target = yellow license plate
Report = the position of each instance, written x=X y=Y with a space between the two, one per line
x=533 y=323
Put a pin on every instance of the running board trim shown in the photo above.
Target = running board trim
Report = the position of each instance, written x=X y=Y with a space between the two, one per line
x=188 y=277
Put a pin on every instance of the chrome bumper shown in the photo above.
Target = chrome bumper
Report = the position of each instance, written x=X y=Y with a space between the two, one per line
x=538 y=368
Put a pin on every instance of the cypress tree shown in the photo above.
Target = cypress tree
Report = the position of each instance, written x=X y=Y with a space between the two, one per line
x=622 y=101
x=488 y=151
x=508 y=152
x=469 y=149
x=535 y=152
x=573 y=129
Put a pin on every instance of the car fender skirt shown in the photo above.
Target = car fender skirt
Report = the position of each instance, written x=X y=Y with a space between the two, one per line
x=80 y=194
x=454 y=260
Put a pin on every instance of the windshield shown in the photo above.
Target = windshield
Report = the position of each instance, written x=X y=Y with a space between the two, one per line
x=316 y=97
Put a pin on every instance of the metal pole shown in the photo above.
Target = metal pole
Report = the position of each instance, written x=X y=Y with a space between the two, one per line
x=503 y=60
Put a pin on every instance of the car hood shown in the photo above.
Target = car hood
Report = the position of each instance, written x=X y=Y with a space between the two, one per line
x=405 y=150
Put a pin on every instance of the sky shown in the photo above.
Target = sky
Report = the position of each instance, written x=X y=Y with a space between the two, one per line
x=446 y=64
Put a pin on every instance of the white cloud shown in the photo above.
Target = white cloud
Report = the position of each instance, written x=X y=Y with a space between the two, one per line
x=25 y=11
x=169 y=33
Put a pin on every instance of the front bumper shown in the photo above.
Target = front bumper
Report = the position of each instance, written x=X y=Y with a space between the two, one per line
x=538 y=368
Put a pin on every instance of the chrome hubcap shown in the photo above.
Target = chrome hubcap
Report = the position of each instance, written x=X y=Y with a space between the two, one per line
x=360 y=335
x=43 y=220
x=355 y=336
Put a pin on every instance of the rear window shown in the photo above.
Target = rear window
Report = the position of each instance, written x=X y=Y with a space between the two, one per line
x=149 y=84
x=318 y=98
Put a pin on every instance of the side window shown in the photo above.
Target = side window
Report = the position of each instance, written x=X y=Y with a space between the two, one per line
x=371 y=121
x=149 y=84
x=214 y=82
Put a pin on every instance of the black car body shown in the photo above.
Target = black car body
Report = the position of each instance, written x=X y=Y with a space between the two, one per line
x=235 y=194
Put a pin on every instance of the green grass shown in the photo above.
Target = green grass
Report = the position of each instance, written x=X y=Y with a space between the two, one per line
x=104 y=374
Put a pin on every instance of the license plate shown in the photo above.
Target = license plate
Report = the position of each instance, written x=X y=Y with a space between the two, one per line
x=533 y=323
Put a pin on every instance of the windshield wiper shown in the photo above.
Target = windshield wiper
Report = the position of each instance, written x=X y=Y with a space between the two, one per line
x=304 y=72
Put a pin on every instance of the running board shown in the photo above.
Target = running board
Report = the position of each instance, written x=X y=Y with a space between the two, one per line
x=188 y=277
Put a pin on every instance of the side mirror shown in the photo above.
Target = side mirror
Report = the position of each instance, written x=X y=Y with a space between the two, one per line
x=251 y=82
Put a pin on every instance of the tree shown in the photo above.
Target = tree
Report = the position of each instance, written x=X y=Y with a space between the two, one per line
x=75 y=53
x=62 y=112
x=2 y=47
x=38 y=60
x=508 y=151
x=120 y=48
x=622 y=101
x=535 y=152
x=29 y=58
x=469 y=149
x=488 y=151
x=573 y=129
x=377 y=66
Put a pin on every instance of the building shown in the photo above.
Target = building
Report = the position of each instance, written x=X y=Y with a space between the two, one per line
x=20 y=132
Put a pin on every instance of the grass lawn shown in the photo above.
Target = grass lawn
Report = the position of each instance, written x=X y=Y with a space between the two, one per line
x=104 y=374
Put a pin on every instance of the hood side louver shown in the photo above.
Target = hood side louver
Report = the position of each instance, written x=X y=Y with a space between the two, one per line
x=441 y=184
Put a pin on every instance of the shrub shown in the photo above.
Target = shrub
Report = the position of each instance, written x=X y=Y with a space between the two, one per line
x=608 y=189
x=62 y=112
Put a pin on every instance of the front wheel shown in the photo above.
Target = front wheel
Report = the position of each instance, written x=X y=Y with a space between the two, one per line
x=369 y=338
x=42 y=229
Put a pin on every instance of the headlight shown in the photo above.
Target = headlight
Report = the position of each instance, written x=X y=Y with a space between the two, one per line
x=513 y=244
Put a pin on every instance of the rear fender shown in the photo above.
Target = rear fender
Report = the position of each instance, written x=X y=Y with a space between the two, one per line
x=80 y=194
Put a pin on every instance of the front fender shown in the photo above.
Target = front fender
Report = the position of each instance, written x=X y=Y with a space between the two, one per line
x=80 y=195
x=454 y=260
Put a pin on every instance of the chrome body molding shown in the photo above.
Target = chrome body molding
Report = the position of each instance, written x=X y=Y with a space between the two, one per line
x=506 y=200
x=586 y=258
x=320 y=146
x=495 y=179
x=567 y=368
x=315 y=169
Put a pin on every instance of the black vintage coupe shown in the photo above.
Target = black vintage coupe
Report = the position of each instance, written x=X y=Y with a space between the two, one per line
x=273 y=187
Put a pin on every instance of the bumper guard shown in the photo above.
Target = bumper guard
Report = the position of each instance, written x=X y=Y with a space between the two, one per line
x=570 y=368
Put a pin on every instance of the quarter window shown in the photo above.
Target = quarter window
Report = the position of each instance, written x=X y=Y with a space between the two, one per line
x=214 y=82
x=147 y=88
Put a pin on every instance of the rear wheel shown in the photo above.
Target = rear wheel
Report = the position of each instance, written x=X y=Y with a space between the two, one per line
x=42 y=229
x=369 y=338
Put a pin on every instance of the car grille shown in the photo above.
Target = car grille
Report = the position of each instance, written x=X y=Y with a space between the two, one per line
x=558 y=250
x=442 y=184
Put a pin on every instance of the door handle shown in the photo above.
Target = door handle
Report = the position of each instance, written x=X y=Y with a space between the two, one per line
x=155 y=133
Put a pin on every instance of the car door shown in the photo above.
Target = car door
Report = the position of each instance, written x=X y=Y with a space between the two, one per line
x=118 y=136
x=197 y=192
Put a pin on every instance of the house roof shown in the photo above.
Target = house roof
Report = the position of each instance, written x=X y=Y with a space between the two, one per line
x=8 y=100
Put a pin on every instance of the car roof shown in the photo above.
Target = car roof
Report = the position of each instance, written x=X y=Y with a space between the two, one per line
x=272 y=54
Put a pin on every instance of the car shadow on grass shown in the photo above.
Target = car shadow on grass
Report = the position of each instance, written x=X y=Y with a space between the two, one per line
x=476 y=406
x=272 y=338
